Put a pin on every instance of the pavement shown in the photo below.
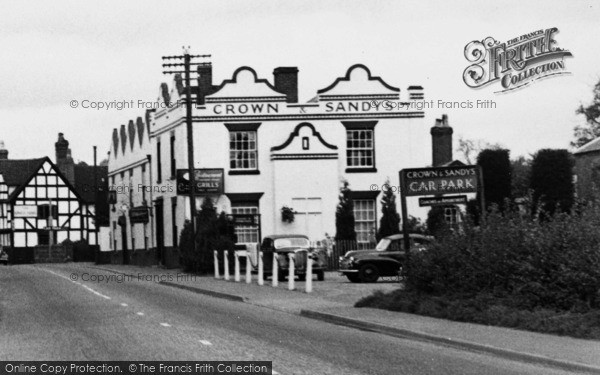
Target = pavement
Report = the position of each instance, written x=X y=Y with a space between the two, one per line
x=333 y=301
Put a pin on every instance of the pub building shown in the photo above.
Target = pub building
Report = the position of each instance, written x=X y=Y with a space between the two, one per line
x=258 y=149
x=43 y=202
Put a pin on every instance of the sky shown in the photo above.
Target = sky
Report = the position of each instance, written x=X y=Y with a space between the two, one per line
x=59 y=51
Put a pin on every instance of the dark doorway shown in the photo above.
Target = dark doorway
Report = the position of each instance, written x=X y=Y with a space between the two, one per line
x=160 y=231
x=124 y=244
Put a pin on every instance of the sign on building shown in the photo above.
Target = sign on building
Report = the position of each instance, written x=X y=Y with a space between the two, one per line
x=25 y=211
x=138 y=215
x=442 y=201
x=206 y=182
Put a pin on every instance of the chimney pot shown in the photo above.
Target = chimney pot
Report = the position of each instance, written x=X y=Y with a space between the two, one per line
x=3 y=151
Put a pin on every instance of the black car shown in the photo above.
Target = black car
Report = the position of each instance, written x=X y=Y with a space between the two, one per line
x=282 y=245
x=385 y=260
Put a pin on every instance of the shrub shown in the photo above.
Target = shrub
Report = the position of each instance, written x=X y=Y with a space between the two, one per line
x=496 y=170
x=390 y=220
x=552 y=180
x=344 y=215
x=554 y=263
x=213 y=232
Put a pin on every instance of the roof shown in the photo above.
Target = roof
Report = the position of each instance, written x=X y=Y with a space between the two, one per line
x=17 y=172
x=593 y=145
x=84 y=180
x=276 y=236
x=410 y=235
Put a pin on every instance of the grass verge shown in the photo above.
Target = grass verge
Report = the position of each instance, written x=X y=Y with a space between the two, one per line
x=488 y=310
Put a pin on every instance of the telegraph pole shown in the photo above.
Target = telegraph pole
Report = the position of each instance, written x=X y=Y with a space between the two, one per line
x=186 y=64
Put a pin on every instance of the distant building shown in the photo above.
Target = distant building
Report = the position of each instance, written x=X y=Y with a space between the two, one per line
x=40 y=198
x=587 y=169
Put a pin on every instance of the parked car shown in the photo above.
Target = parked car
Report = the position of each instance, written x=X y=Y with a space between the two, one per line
x=282 y=245
x=3 y=256
x=385 y=260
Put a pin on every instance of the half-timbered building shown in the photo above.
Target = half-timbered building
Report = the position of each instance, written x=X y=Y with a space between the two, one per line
x=42 y=202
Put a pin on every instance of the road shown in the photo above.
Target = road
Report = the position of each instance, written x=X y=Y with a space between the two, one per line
x=44 y=315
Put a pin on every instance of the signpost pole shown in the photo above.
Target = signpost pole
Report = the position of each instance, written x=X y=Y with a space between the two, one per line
x=481 y=191
x=50 y=231
x=405 y=235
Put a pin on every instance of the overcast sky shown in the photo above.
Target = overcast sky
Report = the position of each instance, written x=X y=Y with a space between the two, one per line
x=55 y=52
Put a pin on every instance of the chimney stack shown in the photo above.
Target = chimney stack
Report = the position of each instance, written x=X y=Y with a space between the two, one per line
x=3 y=151
x=441 y=142
x=64 y=161
x=205 y=86
x=286 y=82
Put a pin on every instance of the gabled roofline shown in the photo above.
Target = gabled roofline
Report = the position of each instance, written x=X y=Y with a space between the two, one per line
x=18 y=190
x=347 y=78
x=296 y=132
x=234 y=80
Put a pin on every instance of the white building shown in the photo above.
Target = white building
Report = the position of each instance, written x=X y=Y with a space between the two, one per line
x=270 y=151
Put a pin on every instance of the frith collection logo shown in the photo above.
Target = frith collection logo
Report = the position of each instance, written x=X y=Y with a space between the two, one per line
x=515 y=63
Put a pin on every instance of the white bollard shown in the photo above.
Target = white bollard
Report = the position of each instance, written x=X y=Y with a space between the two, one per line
x=309 y=266
x=237 y=267
x=275 y=273
x=291 y=272
x=226 y=265
x=216 y=264
x=260 y=268
x=248 y=269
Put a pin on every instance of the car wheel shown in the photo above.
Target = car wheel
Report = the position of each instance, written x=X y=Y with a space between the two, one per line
x=353 y=278
x=368 y=273
x=321 y=276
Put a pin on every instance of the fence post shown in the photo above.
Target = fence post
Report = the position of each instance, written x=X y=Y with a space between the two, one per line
x=260 y=268
x=226 y=265
x=275 y=273
x=309 y=266
x=236 y=267
x=216 y=257
x=291 y=272
x=248 y=270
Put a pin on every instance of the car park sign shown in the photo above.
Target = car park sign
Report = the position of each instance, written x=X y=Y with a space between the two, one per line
x=438 y=182
x=443 y=180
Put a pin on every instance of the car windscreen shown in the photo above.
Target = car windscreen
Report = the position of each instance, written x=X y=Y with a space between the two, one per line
x=383 y=244
x=281 y=243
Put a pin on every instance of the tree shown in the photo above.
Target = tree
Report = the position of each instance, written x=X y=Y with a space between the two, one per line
x=390 y=220
x=521 y=169
x=495 y=165
x=469 y=148
x=415 y=225
x=344 y=215
x=591 y=130
x=214 y=232
x=436 y=221
x=552 y=180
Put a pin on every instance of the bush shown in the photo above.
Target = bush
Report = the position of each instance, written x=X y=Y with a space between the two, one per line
x=554 y=263
x=496 y=169
x=213 y=232
x=489 y=310
x=552 y=180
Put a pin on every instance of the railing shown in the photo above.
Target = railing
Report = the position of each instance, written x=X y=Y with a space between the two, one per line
x=341 y=247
